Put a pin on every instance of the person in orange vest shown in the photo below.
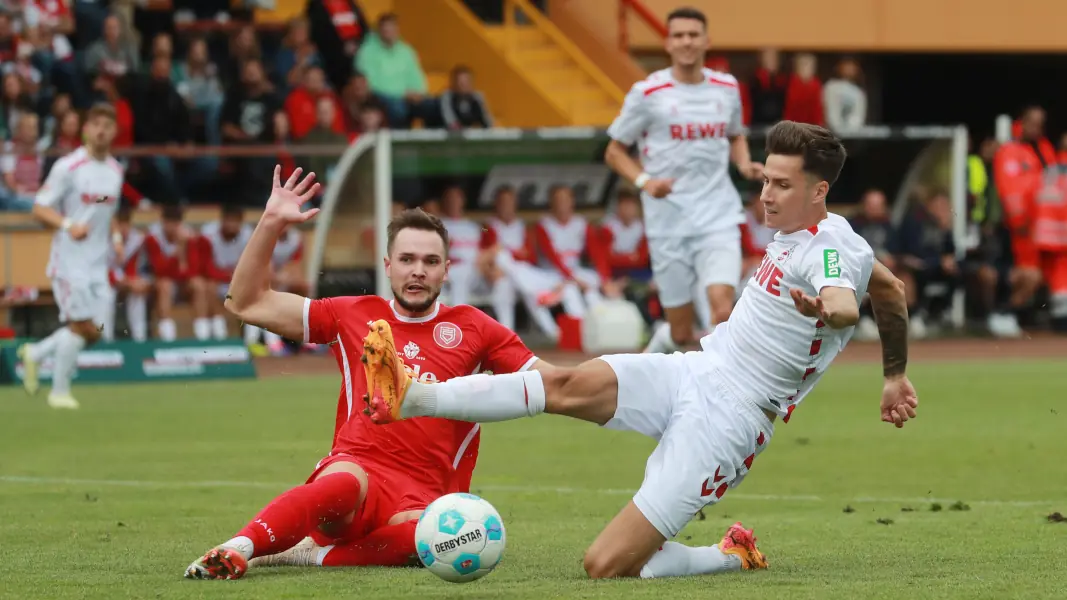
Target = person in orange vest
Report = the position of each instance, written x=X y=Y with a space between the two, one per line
x=1020 y=170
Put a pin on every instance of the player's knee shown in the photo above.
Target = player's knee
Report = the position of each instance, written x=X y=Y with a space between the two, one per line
x=601 y=565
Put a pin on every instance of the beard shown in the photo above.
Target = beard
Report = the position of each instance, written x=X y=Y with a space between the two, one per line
x=415 y=307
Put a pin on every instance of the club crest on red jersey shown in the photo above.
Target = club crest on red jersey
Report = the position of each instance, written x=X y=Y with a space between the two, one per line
x=447 y=335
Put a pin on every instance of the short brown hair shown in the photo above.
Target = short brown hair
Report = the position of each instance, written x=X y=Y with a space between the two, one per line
x=687 y=12
x=101 y=110
x=822 y=153
x=414 y=218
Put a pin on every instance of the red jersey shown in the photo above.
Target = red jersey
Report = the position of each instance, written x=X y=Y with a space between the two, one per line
x=449 y=342
x=169 y=260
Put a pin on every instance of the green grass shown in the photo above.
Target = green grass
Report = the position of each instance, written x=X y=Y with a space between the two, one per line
x=205 y=457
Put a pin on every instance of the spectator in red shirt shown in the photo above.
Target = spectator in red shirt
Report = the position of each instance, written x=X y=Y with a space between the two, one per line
x=300 y=106
x=803 y=98
x=767 y=89
x=106 y=87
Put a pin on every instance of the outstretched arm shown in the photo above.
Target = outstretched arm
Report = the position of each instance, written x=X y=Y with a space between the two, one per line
x=251 y=298
x=899 y=399
x=891 y=315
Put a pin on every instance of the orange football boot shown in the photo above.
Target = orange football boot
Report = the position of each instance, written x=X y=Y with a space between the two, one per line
x=387 y=377
x=742 y=543
x=218 y=563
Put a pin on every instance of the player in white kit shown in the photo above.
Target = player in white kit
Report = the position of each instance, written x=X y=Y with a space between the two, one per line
x=222 y=243
x=464 y=249
x=78 y=200
x=712 y=411
x=686 y=121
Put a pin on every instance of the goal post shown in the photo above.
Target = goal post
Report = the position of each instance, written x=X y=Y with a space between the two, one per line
x=895 y=159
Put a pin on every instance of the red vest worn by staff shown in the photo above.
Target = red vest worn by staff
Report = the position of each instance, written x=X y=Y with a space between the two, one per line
x=1050 y=208
x=1018 y=172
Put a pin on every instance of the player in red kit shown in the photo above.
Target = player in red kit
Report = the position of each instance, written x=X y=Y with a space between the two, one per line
x=361 y=503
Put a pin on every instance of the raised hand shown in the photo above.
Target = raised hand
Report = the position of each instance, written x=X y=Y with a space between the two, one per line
x=899 y=400
x=285 y=200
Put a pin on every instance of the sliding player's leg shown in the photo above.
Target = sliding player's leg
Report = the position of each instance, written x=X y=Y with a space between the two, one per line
x=630 y=392
x=382 y=533
x=329 y=502
x=706 y=449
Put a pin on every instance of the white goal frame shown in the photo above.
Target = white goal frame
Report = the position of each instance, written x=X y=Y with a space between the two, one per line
x=381 y=144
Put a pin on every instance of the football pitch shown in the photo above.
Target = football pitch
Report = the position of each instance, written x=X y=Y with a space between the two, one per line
x=114 y=500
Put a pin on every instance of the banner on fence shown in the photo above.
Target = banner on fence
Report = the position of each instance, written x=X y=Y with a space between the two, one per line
x=129 y=362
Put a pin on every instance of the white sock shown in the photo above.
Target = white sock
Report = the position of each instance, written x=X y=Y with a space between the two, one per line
x=168 y=330
x=46 y=347
x=219 y=329
x=201 y=328
x=661 y=340
x=478 y=398
x=271 y=339
x=503 y=295
x=241 y=544
x=107 y=325
x=251 y=333
x=676 y=560
x=67 y=349
x=571 y=298
x=137 y=316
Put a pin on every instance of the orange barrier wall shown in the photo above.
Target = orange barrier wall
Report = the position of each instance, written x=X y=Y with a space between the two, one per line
x=864 y=25
x=444 y=37
x=569 y=17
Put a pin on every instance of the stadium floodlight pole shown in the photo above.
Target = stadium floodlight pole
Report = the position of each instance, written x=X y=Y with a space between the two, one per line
x=383 y=201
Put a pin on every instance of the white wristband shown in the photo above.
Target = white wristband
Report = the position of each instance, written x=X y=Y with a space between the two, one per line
x=641 y=180
x=65 y=225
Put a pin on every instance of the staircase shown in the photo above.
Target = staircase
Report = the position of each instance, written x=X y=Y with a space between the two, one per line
x=557 y=74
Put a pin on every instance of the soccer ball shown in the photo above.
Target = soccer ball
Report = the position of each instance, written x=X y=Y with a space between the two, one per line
x=460 y=537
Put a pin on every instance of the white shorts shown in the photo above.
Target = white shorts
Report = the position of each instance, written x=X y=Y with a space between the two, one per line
x=708 y=437
x=82 y=300
x=679 y=263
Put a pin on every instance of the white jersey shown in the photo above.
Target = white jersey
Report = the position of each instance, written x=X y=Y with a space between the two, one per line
x=86 y=191
x=224 y=253
x=290 y=248
x=625 y=239
x=465 y=238
x=769 y=352
x=683 y=133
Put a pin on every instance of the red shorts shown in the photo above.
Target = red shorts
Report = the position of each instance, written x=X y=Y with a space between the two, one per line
x=1024 y=253
x=389 y=492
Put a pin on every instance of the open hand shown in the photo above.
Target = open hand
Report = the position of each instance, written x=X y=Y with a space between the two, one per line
x=285 y=200
x=898 y=401
x=658 y=188
x=806 y=305
x=78 y=231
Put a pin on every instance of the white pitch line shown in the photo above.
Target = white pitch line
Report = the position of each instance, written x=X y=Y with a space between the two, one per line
x=140 y=483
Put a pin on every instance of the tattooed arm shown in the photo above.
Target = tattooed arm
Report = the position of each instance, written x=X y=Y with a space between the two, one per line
x=899 y=399
x=891 y=315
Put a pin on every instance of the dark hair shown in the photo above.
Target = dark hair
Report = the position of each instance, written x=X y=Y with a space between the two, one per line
x=173 y=212
x=557 y=188
x=124 y=213
x=460 y=69
x=628 y=193
x=389 y=17
x=503 y=189
x=414 y=218
x=101 y=110
x=233 y=211
x=822 y=153
x=687 y=12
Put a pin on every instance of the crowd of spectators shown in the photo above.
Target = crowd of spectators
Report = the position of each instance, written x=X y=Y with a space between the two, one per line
x=182 y=80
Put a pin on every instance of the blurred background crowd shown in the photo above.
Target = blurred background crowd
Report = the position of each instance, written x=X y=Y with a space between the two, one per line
x=210 y=94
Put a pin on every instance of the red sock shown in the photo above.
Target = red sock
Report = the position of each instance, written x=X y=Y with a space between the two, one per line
x=293 y=515
x=390 y=546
